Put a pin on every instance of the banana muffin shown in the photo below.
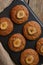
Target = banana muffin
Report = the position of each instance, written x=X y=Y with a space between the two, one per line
x=19 y=14
x=17 y=42
x=32 y=30
x=6 y=26
x=39 y=46
x=29 y=57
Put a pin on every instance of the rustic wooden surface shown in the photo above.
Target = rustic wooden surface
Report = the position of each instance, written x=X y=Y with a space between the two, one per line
x=37 y=7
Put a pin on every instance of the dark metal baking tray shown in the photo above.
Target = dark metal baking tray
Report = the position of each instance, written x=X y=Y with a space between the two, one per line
x=18 y=29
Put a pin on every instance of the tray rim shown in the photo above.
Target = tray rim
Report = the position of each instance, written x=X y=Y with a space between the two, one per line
x=33 y=13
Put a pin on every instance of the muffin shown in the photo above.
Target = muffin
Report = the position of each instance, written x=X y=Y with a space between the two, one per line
x=19 y=14
x=32 y=30
x=29 y=57
x=6 y=26
x=17 y=42
x=39 y=46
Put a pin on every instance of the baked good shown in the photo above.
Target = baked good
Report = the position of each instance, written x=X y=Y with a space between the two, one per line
x=6 y=26
x=32 y=30
x=19 y=14
x=17 y=42
x=39 y=46
x=29 y=57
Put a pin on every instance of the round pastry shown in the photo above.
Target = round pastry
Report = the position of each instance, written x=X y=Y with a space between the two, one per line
x=29 y=57
x=39 y=46
x=17 y=42
x=32 y=30
x=6 y=26
x=19 y=14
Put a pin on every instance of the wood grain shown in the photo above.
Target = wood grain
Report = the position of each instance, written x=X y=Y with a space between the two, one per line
x=37 y=7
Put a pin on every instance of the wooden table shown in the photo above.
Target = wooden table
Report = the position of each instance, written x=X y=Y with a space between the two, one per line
x=37 y=7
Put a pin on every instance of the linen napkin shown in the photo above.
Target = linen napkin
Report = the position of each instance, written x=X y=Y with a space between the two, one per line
x=4 y=4
x=4 y=57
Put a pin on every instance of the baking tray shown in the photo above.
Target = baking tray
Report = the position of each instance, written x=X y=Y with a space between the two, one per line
x=18 y=29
